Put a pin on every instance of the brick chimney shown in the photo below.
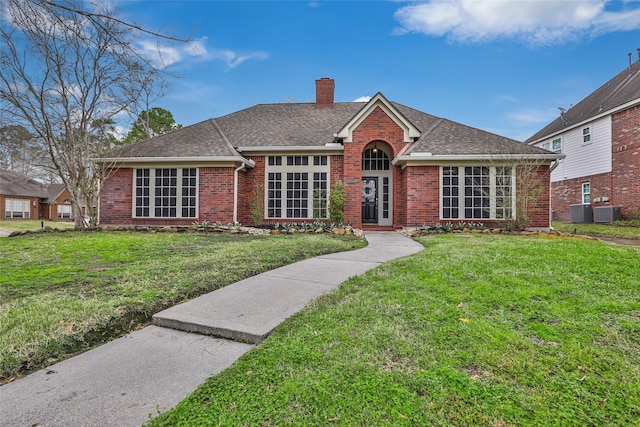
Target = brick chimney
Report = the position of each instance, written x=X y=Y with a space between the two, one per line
x=324 y=92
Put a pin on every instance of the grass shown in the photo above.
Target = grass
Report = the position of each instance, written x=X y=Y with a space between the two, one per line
x=31 y=225
x=63 y=292
x=617 y=229
x=474 y=330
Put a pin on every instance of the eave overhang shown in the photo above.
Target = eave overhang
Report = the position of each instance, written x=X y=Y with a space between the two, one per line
x=428 y=159
x=220 y=161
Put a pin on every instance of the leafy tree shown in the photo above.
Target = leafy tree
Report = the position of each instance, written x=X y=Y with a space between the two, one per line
x=150 y=123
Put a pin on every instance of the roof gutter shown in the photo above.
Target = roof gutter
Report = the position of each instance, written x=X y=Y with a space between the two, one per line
x=203 y=159
x=422 y=158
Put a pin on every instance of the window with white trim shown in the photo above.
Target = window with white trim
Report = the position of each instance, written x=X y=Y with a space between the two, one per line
x=64 y=211
x=586 y=193
x=556 y=145
x=504 y=192
x=477 y=192
x=166 y=193
x=17 y=208
x=586 y=135
x=297 y=186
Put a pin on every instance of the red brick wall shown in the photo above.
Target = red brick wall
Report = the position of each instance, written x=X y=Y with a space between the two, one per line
x=569 y=192
x=538 y=201
x=116 y=197
x=248 y=181
x=626 y=161
x=422 y=195
x=215 y=194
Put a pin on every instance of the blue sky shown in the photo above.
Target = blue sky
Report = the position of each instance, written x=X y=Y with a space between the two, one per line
x=500 y=65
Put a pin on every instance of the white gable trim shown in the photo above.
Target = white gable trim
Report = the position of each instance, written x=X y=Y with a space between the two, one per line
x=410 y=131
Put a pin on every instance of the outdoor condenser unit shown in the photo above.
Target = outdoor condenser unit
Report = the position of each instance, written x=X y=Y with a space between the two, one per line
x=606 y=214
x=580 y=213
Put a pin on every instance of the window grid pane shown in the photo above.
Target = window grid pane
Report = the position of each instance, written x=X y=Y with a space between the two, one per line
x=297 y=160
x=143 y=189
x=375 y=159
x=320 y=194
x=189 y=191
x=274 y=195
x=477 y=200
x=450 y=192
x=385 y=197
x=297 y=194
x=504 y=193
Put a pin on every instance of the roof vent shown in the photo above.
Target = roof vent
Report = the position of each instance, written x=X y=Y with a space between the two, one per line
x=324 y=92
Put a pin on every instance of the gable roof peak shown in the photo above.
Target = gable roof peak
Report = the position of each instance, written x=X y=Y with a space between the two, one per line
x=411 y=132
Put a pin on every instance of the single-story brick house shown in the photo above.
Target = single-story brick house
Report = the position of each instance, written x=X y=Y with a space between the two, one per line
x=401 y=167
x=24 y=198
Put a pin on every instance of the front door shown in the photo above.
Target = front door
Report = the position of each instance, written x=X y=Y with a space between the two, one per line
x=369 y=200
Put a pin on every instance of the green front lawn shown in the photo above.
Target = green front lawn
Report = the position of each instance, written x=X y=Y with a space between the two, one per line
x=62 y=292
x=31 y=224
x=617 y=229
x=474 y=330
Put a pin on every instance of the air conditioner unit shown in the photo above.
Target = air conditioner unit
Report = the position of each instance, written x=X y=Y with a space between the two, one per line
x=580 y=213
x=606 y=214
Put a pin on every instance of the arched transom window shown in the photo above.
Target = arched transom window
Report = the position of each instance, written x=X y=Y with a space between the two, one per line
x=374 y=159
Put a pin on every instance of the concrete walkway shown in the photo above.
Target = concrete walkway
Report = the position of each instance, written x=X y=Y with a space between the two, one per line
x=149 y=371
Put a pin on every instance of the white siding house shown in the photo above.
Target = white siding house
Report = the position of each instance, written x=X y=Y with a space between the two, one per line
x=600 y=137
x=587 y=147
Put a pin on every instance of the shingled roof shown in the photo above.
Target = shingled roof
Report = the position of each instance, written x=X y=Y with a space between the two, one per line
x=621 y=90
x=300 y=125
x=17 y=184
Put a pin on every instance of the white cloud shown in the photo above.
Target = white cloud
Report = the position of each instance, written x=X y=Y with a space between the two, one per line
x=532 y=21
x=233 y=59
x=164 y=55
x=527 y=116
x=362 y=99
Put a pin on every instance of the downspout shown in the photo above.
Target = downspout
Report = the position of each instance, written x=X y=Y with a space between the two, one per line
x=235 y=192
x=553 y=165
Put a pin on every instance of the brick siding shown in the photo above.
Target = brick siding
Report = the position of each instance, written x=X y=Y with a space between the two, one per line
x=626 y=161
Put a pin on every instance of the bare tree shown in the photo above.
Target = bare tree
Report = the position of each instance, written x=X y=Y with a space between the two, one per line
x=522 y=175
x=65 y=72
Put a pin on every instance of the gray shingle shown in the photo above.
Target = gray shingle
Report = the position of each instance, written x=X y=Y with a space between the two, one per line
x=17 y=184
x=303 y=125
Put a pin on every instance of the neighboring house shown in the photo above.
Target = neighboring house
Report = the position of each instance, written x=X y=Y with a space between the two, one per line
x=600 y=137
x=25 y=198
x=401 y=167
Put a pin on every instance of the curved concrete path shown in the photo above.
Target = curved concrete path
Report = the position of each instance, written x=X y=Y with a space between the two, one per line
x=149 y=371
